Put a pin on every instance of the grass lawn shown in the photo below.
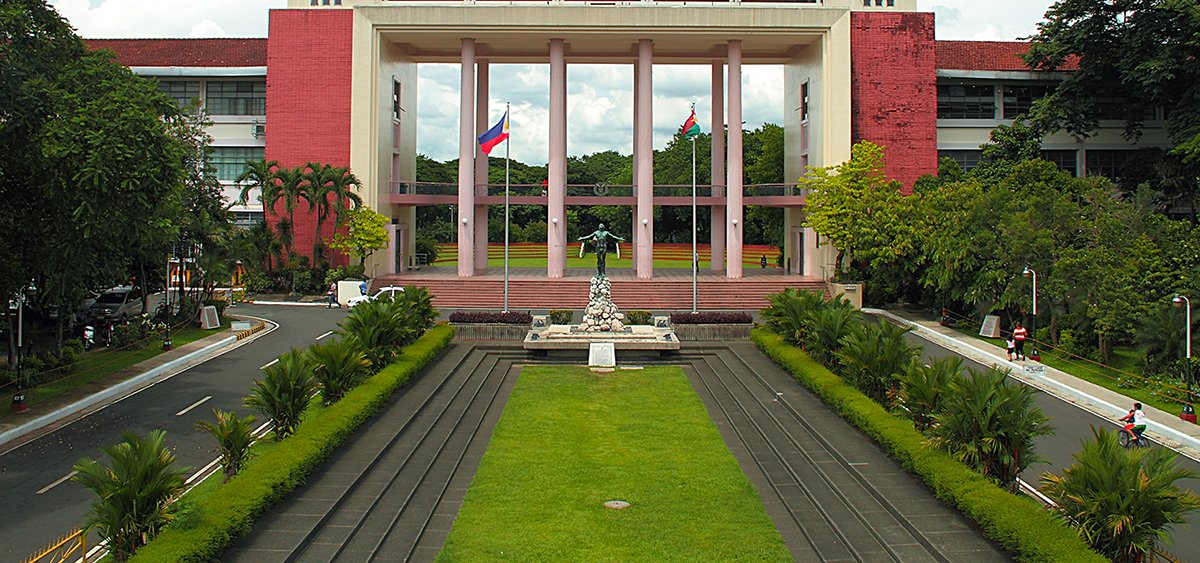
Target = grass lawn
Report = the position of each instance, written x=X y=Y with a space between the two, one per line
x=570 y=439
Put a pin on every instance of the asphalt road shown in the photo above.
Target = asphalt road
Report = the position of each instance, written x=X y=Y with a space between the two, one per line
x=40 y=505
x=1072 y=425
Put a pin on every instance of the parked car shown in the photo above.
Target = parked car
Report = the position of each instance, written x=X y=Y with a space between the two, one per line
x=116 y=305
x=389 y=291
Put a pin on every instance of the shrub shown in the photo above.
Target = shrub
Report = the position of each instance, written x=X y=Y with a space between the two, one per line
x=489 y=317
x=789 y=313
x=127 y=335
x=429 y=248
x=283 y=393
x=234 y=435
x=258 y=282
x=923 y=389
x=639 y=317
x=711 y=318
x=873 y=356
x=339 y=366
x=561 y=316
x=348 y=272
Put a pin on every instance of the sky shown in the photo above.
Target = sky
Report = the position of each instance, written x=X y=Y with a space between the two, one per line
x=599 y=97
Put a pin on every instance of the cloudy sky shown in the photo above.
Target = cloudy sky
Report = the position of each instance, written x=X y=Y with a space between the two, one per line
x=599 y=97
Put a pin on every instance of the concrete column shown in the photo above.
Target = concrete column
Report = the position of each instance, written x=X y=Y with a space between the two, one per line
x=466 y=162
x=812 y=261
x=643 y=160
x=636 y=97
x=556 y=189
x=733 y=177
x=481 y=164
x=717 y=227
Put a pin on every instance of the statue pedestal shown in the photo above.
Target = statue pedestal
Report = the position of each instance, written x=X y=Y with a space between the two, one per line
x=602 y=322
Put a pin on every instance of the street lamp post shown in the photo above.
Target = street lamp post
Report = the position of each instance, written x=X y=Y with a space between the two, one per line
x=1189 y=412
x=1030 y=273
x=18 y=401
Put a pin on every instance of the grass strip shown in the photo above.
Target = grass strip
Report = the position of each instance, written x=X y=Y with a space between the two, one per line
x=1015 y=523
x=571 y=439
x=230 y=510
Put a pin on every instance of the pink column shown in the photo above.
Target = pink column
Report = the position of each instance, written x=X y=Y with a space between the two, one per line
x=643 y=160
x=556 y=193
x=481 y=165
x=633 y=235
x=466 y=161
x=733 y=177
x=717 y=232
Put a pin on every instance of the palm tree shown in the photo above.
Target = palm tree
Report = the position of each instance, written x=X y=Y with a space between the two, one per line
x=330 y=190
x=378 y=330
x=291 y=187
x=923 y=389
x=873 y=356
x=826 y=327
x=134 y=494
x=788 y=314
x=284 y=392
x=1120 y=500
x=234 y=437
x=1161 y=337
x=991 y=425
x=260 y=174
x=338 y=365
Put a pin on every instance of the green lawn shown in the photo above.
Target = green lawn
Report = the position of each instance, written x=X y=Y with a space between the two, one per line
x=571 y=439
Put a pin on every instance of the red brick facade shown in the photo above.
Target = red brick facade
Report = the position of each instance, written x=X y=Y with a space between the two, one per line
x=894 y=90
x=308 y=100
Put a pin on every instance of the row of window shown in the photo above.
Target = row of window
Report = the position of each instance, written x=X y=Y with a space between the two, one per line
x=221 y=97
x=978 y=101
x=1097 y=162
x=231 y=161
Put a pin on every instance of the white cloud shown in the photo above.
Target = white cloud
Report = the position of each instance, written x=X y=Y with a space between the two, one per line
x=990 y=21
x=207 y=28
x=167 y=18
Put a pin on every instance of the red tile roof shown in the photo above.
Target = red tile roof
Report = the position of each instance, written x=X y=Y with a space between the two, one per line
x=986 y=55
x=186 y=52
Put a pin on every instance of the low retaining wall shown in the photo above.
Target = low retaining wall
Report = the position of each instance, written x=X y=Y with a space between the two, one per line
x=697 y=332
x=490 y=331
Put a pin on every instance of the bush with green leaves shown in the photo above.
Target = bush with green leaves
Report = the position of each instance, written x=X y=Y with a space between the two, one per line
x=347 y=272
x=991 y=425
x=429 y=248
x=382 y=326
x=258 y=282
x=234 y=436
x=134 y=493
x=338 y=365
x=827 y=327
x=923 y=389
x=789 y=313
x=874 y=356
x=561 y=316
x=1121 y=501
x=639 y=317
x=283 y=394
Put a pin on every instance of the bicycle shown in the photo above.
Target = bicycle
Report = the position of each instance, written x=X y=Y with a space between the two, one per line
x=1125 y=439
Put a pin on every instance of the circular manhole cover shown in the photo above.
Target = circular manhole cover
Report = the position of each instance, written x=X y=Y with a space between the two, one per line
x=616 y=504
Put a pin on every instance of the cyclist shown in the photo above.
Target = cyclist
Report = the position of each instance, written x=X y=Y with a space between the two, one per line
x=1136 y=420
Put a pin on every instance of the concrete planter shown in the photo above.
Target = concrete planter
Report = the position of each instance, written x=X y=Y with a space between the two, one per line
x=697 y=332
x=490 y=331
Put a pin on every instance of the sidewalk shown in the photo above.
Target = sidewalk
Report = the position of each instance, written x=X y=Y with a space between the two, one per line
x=86 y=399
x=1165 y=428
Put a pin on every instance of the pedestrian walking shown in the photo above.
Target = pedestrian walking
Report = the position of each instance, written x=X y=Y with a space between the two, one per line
x=362 y=287
x=1011 y=346
x=332 y=296
x=763 y=261
x=1019 y=334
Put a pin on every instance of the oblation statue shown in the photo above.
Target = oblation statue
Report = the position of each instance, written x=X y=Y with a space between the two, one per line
x=599 y=240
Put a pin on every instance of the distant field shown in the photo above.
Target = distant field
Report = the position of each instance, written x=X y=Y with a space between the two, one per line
x=529 y=255
x=571 y=439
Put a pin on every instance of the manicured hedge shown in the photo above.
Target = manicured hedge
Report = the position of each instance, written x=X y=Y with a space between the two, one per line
x=1015 y=523
x=710 y=317
x=230 y=511
x=491 y=317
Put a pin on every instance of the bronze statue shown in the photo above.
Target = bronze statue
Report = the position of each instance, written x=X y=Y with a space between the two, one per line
x=599 y=240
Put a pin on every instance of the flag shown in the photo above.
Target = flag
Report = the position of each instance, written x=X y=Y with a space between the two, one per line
x=494 y=136
x=691 y=127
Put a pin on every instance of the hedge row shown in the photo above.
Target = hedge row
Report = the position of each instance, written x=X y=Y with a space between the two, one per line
x=230 y=511
x=1015 y=523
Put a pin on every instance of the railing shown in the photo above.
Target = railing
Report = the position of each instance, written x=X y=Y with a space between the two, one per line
x=596 y=190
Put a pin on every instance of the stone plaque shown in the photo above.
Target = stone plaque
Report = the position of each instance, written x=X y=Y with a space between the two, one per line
x=991 y=327
x=602 y=354
x=237 y=326
x=208 y=318
x=1039 y=370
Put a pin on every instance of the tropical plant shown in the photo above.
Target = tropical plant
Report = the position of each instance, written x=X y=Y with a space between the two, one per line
x=873 y=356
x=366 y=232
x=338 y=365
x=1161 y=337
x=234 y=437
x=284 y=392
x=376 y=329
x=1121 y=501
x=291 y=187
x=788 y=314
x=260 y=175
x=134 y=494
x=991 y=425
x=923 y=389
x=330 y=188
x=826 y=327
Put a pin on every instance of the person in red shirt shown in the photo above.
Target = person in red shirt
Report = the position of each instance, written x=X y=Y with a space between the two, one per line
x=1019 y=335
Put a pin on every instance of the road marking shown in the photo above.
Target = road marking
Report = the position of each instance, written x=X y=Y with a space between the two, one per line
x=60 y=481
x=203 y=471
x=324 y=335
x=193 y=405
x=270 y=363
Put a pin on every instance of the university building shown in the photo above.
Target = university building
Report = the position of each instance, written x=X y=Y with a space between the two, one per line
x=335 y=82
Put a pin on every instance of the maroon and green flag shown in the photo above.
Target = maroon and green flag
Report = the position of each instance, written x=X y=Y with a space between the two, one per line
x=691 y=127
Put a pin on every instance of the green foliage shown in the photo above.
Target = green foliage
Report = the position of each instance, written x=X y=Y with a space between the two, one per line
x=923 y=389
x=347 y=272
x=336 y=183
x=827 y=327
x=561 y=316
x=1011 y=521
x=283 y=394
x=429 y=248
x=639 y=317
x=874 y=356
x=381 y=326
x=990 y=424
x=365 y=235
x=1121 y=501
x=789 y=313
x=234 y=435
x=134 y=493
x=338 y=366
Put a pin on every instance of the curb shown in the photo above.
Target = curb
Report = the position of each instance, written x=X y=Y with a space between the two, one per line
x=137 y=383
x=291 y=303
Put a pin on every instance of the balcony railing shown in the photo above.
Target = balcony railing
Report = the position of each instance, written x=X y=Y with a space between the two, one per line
x=594 y=190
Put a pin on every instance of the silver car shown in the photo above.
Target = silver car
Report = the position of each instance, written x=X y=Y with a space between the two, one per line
x=118 y=304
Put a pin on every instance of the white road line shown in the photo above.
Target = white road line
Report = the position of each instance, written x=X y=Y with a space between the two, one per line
x=60 y=481
x=193 y=405
x=202 y=472
x=270 y=363
x=324 y=335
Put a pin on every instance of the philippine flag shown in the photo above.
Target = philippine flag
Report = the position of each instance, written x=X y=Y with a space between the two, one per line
x=494 y=136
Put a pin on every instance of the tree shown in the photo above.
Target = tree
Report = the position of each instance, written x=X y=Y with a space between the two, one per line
x=291 y=188
x=874 y=356
x=258 y=175
x=283 y=393
x=234 y=436
x=338 y=365
x=923 y=389
x=330 y=190
x=365 y=234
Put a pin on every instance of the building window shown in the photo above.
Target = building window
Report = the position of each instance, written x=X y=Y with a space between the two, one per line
x=231 y=161
x=1018 y=99
x=966 y=101
x=242 y=97
x=396 y=100
x=968 y=159
x=247 y=219
x=184 y=92
x=1107 y=163
x=1064 y=160
x=804 y=102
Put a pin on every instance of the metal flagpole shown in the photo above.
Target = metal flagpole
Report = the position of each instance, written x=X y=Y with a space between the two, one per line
x=507 y=152
x=695 y=256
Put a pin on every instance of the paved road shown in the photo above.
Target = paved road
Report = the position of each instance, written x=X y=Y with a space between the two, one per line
x=35 y=513
x=1071 y=426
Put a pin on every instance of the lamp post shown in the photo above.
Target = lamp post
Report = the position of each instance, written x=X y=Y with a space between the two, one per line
x=18 y=401
x=1030 y=273
x=1189 y=412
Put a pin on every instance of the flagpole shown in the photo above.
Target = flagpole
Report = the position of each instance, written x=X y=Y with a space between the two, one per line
x=695 y=255
x=507 y=152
